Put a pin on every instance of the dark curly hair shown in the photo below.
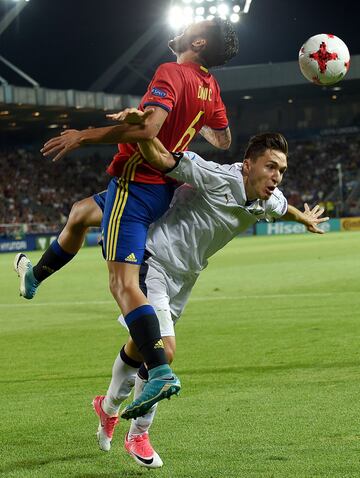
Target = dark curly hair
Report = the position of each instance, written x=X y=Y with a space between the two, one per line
x=259 y=143
x=222 y=43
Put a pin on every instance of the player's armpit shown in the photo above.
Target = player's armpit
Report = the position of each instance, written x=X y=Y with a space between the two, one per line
x=219 y=138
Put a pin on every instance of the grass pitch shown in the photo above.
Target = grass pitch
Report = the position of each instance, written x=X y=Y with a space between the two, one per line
x=268 y=355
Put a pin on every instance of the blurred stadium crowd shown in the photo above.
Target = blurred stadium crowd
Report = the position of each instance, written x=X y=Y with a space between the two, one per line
x=38 y=194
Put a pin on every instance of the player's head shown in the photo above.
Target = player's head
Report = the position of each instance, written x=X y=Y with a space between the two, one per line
x=213 y=41
x=265 y=162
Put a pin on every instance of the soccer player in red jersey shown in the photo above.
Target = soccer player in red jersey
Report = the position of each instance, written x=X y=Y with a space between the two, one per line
x=182 y=100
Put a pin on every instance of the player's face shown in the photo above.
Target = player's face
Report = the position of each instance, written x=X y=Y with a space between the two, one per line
x=182 y=43
x=262 y=176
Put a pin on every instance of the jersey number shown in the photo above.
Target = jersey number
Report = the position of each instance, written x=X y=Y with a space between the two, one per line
x=189 y=134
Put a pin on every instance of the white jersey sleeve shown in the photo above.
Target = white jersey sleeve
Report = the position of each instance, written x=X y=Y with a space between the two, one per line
x=193 y=169
x=277 y=205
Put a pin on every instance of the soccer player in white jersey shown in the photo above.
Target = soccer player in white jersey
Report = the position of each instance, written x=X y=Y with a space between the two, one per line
x=214 y=206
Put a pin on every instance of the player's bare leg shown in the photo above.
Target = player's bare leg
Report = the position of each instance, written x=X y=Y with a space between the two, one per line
x=143 y=325
x=84 y=214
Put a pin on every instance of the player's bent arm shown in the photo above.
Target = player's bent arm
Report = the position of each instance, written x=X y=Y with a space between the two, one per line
x=311 y=218
x=185 y=167
x=219 y=138
x=157 y=155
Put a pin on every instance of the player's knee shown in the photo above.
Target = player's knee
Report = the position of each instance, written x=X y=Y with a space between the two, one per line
x=77 y=215
x=121 y=287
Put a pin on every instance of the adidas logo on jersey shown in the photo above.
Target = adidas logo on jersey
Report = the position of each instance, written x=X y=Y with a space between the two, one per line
x=131 y=258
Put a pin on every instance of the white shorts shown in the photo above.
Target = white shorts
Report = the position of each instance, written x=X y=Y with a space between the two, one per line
x=168 y=294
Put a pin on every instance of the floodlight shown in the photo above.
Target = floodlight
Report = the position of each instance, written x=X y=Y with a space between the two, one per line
x=223 y=9
x=185 y=12
x=176 y=18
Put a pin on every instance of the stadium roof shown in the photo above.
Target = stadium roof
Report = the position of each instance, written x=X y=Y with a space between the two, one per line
x=69 y=44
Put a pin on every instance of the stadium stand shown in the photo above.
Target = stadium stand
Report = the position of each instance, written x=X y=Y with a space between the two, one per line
x=38 y=193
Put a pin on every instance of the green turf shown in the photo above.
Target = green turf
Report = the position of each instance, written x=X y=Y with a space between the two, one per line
x=268 y=354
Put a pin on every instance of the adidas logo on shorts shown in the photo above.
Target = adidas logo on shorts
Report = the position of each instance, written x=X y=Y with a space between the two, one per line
x=131 y=258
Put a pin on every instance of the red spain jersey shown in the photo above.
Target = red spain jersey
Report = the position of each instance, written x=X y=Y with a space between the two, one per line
x=191 y=96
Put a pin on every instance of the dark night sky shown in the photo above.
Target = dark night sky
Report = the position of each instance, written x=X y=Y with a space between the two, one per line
x=69 y=43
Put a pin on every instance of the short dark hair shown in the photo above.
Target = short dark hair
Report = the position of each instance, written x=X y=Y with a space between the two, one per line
x=259 y=143
x=222 y=43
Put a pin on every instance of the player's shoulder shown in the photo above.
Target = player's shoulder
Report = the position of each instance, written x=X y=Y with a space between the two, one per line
x=277 y=195
x=221 y=169
x=169 y=66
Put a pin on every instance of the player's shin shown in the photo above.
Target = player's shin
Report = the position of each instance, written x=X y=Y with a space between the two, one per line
x=106 y=408
x=122 y=381
x=141 y=424
x=144 y=329
x=53 y=259
x=162 y=382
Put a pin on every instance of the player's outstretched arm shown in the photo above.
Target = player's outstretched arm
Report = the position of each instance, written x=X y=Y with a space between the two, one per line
x=311 y=218
x=147 y=127
x=219 y=138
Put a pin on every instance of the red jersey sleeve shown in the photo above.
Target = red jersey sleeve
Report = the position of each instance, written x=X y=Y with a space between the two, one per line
x=164 y=88
x=219 y=118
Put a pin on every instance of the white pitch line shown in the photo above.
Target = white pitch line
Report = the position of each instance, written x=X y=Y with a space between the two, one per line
x=195 y=299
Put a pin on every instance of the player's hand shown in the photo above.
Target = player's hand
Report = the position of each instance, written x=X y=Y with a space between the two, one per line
x=313 y=218
x=63 y=144
x=131 y=116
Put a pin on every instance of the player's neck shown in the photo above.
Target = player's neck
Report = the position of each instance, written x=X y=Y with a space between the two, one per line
x=249 y=191
x=188 y=56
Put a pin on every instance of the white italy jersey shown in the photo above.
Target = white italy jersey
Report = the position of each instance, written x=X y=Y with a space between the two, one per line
x=205 y=214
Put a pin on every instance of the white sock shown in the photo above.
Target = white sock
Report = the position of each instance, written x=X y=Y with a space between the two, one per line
x=141 y=424
x=122 y=382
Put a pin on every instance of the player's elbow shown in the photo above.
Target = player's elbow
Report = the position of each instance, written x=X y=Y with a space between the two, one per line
x=149 y=133
x=225 y=145
x=224 y=139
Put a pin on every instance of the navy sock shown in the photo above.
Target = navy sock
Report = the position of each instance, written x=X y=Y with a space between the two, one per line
x=53 y=259
x=144 y=329
x=143 y=372
x=129 y=361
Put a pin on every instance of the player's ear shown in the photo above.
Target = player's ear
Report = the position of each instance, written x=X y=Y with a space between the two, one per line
x=198 y=44
x=246 y=167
